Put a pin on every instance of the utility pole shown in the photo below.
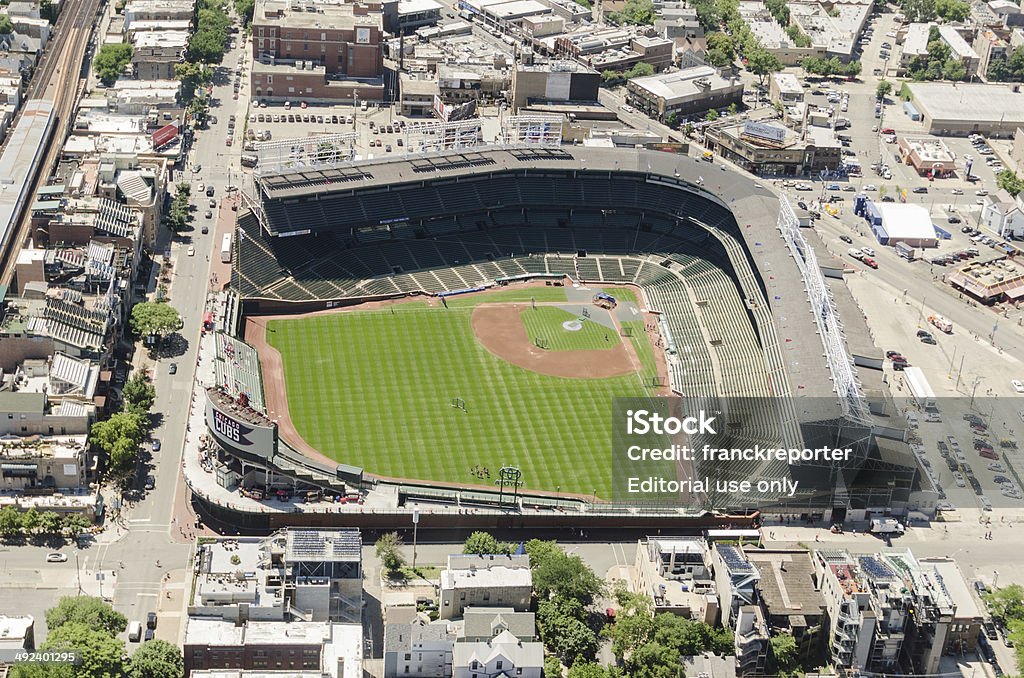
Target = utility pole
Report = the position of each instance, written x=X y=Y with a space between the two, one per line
x=415 y=527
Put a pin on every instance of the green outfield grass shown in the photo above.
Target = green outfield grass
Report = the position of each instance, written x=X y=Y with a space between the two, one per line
x=622 y=294
x=511 y=295
x=544 y=323
x=374 y=389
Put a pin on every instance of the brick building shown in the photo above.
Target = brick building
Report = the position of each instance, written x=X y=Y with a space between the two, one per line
x=324 y=51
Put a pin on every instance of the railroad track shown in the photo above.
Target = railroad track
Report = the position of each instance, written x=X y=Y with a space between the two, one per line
x=59 y=78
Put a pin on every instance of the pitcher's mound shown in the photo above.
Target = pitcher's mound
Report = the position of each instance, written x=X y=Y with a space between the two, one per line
x=572 y=325
x=500 y=330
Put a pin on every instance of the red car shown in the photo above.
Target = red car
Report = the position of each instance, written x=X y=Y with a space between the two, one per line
x=988 y=453
x=888 y=130
x=868 y=261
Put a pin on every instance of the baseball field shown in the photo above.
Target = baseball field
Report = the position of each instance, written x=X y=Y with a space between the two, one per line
x=434 y=393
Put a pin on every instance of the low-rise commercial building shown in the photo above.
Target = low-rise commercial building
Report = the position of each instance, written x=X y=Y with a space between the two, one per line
x=785 y=89
x=417 y=94
x=686 y=93
x=959 y=109
x=990 y=281
x=555 y=82
x=927 y=155
x=770 y=149
x=403 y=17
x=893 y=222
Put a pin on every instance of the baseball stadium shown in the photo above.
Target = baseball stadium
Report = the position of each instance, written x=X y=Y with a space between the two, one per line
x=459 y=322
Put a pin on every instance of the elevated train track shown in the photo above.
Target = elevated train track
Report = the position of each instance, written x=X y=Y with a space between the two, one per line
x=59 y=80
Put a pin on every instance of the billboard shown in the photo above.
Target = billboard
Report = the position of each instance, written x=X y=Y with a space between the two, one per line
x=450 y=113
x=239 y=433
x=165 y=135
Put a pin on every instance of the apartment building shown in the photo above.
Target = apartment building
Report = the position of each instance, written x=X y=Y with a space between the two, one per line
x=485 y=581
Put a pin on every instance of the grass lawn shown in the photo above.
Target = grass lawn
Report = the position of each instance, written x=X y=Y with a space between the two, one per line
x=643 y=349
x=621 y=294
x=374 y=389
x=509 y=296
x=545 y=322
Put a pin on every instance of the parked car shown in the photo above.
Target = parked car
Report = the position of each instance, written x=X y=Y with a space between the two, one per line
x=150 y=482
x=156 y=445
x=56 y=557
x=173 y=369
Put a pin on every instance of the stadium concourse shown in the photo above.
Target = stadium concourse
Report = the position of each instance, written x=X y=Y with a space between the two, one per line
x=705 y=244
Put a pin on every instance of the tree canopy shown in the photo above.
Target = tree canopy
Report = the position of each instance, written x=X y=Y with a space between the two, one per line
x=139 y=392
x=192 y=76
x=633 y=13
x=556 y=573
x=6 y=27
x=87 y=610
x=955 y=11
x=388 y=548
x=484 y=543
x=883 y=89
x=111 y=60
x=154 y=317
x=761 y=62
x=157 y=659
x=918 y=10
x=100 y=654
x=118 y=438
x=1009 y=181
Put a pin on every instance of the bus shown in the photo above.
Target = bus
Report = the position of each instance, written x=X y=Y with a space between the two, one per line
x=225 y=249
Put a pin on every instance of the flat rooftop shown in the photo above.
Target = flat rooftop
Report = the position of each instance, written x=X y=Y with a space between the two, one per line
x=929 y=149
x=341 y=545
x=968 y=102
x=988 y=275
x=787 y=581
x=683 y=84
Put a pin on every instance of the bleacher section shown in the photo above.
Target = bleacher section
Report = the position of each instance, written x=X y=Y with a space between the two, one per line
x=237 y=369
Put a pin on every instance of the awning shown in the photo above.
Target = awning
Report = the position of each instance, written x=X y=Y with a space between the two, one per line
x=18 y=470
x=1015 y=292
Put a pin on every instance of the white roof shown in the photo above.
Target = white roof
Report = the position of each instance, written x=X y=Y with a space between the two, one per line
x=414 y=6
x=968 y=102
x=957 y=43
x=905 y=220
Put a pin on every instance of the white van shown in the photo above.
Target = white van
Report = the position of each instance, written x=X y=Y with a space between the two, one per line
x=135 y=631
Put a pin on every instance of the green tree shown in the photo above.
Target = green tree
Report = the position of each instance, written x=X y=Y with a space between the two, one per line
x=918 y=10
x=955 y=11
x=6 y=27
x=157 y=659
x=733 y=108
x=199 y=109
x=783 y=656
x=100 y=654
x=206 y=45
x=711 y=115
x=634 y=13
x=718 y=58
x=779 y=11
x=1007 y=603
x=653 y=660
x=88 y=611
x=953 y=69
x=388 y=548
x=111 y=60
x=883 y=89
x=1008 y=181
x=139 y=392
x=998 y=70
x=589 y=670
x=761 y=62
x=154 y=317
x=245 y=8
x=484 y=543
x=799 y=38
x=552 y=667
x=30 y=521
x=118 y=438
x=564 y=631
x=556 y=573
x=50 y=522
x=192 y=76
x=74 y=524
x=10 y=522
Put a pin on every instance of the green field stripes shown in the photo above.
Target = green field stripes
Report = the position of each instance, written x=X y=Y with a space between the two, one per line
x=642 y=344
x=374 y=389
x=510 y=296
x=545 y=323
x=621 y=294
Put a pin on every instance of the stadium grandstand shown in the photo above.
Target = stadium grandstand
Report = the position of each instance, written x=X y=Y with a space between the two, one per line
x=717 y=255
